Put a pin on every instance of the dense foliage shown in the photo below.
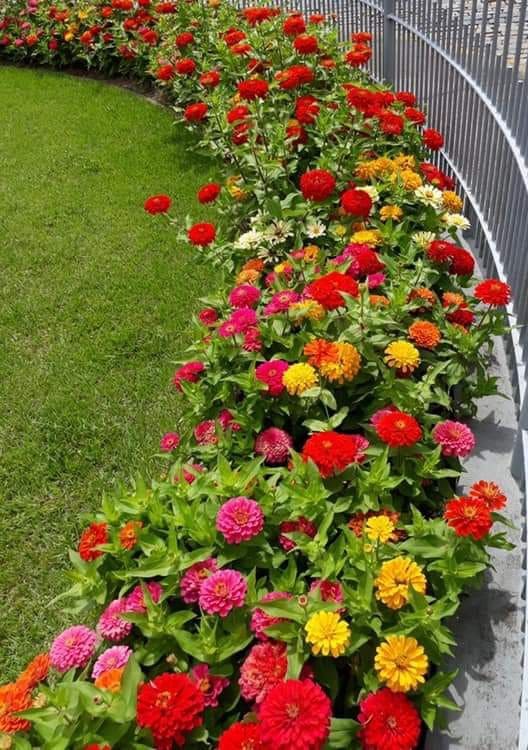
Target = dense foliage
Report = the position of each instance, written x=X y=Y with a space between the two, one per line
x=287 y=582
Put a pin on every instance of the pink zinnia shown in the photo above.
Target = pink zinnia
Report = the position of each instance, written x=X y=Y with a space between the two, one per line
x=275 y=445
x=455 y=438
x=209 y=684
x=208 y=316
x=244 y=318
x=301 y=526
x=330 y=591
x=245 y=295
x=374 y=280
x=205 y=432
x=260 y=620
x=271 y=374
x=252 y=340
x=193 y=578
x=169 y=442
x=136 y=599
x=222 y=592
x=265 y=666
x=189 y=373
x=227 y=421
x=111 y=625
x=113 y=658
x=239 y=520
x=190 y=476
x=281 y=301
x=228 y=329
x=73 y=648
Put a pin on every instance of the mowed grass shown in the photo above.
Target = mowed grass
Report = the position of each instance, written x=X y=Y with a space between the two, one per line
x=95 y=304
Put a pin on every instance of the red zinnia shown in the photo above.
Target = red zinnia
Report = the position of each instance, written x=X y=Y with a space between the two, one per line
x=490 y=492
x=317 y=185
x=170 y=706
x=356 y=202
x=333 y=452
x=237 y=114
x=255 y=88
x=165 y=72
x=294 y=76
x=305 y=44
x=493 y=292
x=414 y=115
x=209 y=193
x=185 y=66
x=241 y=736
x=389 y=721
x=329 y=289
x=433 y=139
x=390 y=123
x=294 y=25
x=183 y=40
x=306 y=109
x=202 y=234
x=91 y=538
x=468 y=516
x=196 y=112
x=157 y=204
x=295 y=715
x=210 y=79
x=397 y=429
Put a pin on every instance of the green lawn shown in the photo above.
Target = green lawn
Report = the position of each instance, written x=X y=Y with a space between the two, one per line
x=94 y=308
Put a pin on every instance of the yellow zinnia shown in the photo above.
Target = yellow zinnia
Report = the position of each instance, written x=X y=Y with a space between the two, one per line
x=394 y=580
x=308 y=308
x=403 y=355
x=345 y=366
x=451 y=201
x=401 y=663
x=367 y=237
x=411 y=180
x=391 y=212
x=299 y=378
x=405 y=161
x=379 y=528
x=327 y=633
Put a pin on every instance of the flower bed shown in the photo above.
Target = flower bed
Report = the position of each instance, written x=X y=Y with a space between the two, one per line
x=287 y=582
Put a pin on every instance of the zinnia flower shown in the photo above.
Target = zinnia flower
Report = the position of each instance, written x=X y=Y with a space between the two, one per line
x=110 y=680
x=344 y=365
x=379 y=528
x=395 y=578
x=244 y=295
x=158 y=204
x=241 y=736
x=401 y=663
x=36 y=671
x=14 y=697
x=210 y=685
x=301 y=525
x=398 y=429
x=171 y=706
x=265 y=666
x=223 y=591
x=328 y=634
x=356 y=202
x=188 y=373
x=209 y=193
x=402 y=355
x=389 y=721
x=136 y=598
x=73 y=648
x=330 y=591
x=91 y=539
x=455 y=438
x=193 y=578
x=111 y=625
x=299 y=378
x=169 y=442
x=493 y=292
x=261 y=620
x=425 y=334
x=317 y=185
x=196 y=112
x=329 y=290
x=239 y=520
x=128 y=534
x=295 y=715
x=333 y=452
x=113 y=658
x=490 y=492
x=202 y=234
x=468 y=516
x=275 y=445
x=271 y=374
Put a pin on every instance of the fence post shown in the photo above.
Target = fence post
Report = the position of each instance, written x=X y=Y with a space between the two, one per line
x=389 y=39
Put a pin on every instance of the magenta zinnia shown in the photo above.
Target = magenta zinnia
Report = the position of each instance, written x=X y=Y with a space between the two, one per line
x=222 y=592
x=239 y=520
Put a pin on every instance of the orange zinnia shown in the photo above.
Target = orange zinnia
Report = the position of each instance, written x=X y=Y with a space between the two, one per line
x=128 y=534
x=425 y=334
x=320 y=351
x=35 y=672
x=110 y=680
x=14 y=698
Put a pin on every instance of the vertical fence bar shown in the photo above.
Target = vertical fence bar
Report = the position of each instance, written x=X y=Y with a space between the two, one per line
x=389 y=39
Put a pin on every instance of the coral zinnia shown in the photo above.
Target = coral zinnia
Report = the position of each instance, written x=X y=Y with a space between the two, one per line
x=332 y=452
x=95 y=535
x=490 y=492
x=425 y=334
x=295 y=715
x=170 y=706
x=328 y=634
x=202 y=234
x=74 y=647
x=241 y=736
x=402 y=355
x=389 y=721
x=401 y=663
x=158 y=204
x=239 y=520
x=265 y=666
x=395 y=578
x=455 y=438
x=493 y=292
x=299 y=378
x=468 y=516
x=329 y=290
x=275 y=445
x=222 y=592
x=317 y=185
x=397 y=428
